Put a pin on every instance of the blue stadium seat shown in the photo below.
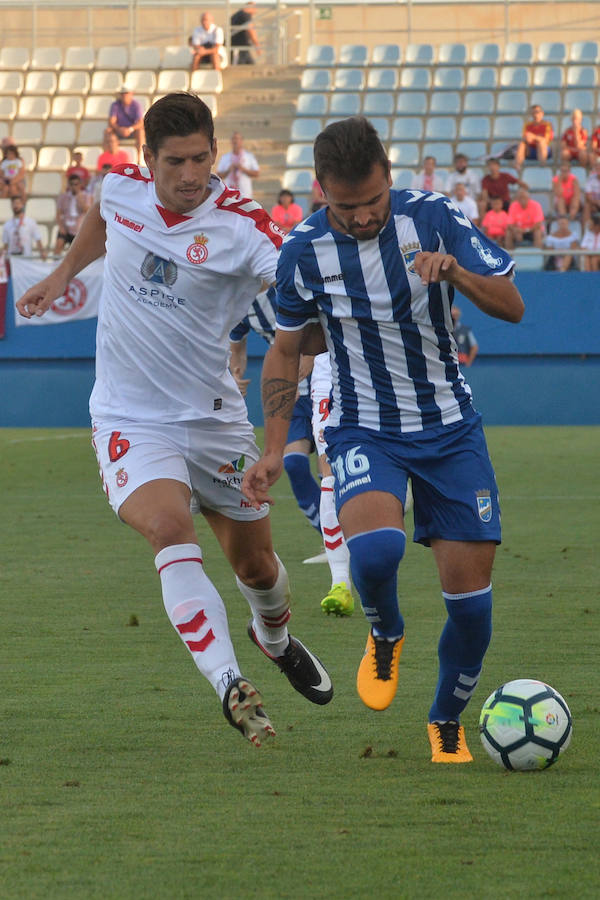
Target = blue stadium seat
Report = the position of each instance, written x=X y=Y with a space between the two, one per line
x=482 y=78
x=299 y=156
x=417 y=79
x=312 y=104
x=539 y=178
x=298 y=180
x=518 y=53
x=478 y=103
x=386 y=55
x=528 y=260
x=406 y=154
x=550 y=101
x=304 y=130
x=475 y=128
x=582 y=76
x=418 y=55
x=452 y=54
x=356 y=55
x=472 y=149
x=440 y=128
x=316 y=80
x=348 y=80
x=516 y=77
x=444 y=103
x=580 y=98
x=449 y=78
x=344 y=104
x=407 y=128
x=411 y=103
x=320 y=55
x=565 y=122
x=507 y=128
x=442 y=151
x=584 y=52
x=483 y=54
x=382 y=79
x=402 y=179
x=547 y=76
x=554 y=52
x=378 y=103
x=381 y=124
x=511 y=102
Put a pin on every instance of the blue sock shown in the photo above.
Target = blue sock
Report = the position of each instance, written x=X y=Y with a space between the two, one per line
x=374 y=559
x=463 y=642
x=306 y=490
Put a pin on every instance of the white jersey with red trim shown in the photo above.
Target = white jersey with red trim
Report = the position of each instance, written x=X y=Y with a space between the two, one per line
x=174 y=287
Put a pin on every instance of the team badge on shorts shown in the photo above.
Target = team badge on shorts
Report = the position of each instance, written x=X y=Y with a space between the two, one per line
x=121 y=478
x=197 y=252
x=409 y=251
x=484 y=505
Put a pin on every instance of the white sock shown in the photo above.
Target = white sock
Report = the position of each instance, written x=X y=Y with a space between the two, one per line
x=197 y=613
x=270 y=611
x=338 y=556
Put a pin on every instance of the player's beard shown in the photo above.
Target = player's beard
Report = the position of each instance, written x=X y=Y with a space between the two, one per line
x=364 y=232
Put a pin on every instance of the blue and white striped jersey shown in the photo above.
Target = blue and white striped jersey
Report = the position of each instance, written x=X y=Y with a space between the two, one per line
x=394 y=359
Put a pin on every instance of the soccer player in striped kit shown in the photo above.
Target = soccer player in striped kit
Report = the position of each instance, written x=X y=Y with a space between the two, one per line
x=375 y=273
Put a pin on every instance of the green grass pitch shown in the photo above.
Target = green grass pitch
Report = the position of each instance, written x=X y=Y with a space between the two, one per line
x=119 y=777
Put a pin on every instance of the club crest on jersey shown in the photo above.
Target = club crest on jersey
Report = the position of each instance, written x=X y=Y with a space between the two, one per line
x=197 y=252
x=121 y=478
x=162 y=271
x=484 y=505
x=485 y=254
x=409 y=251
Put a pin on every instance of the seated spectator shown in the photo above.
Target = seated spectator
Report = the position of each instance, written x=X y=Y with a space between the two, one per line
x=95 y=186
x=466 y=343
x=462 y=173
x=244 y=36
x=21 y=233
x=71 y=207
x=566 y=200
x=113 y=154
x=594 y=151
x=562 y=238
x=206 y=41
x=126 y=119
x=427 y=179
x=13 y=173
x=76 y=167
x=497 y=184
x=495 y=222
x=525 y=221
x=317 y=197
x=574 y=141
x=286 y=213
x=591 y=200
x=591 y=241
x=538 y=135
x=465 y=202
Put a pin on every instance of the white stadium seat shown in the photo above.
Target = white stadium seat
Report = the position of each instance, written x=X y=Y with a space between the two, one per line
x=34 y=108
x=97 y=106
x=203 y=81
x=173 y=80
x=61 y=131
x=41 y=82
x=320 y=55
x=176 y=57
x=112 y=58
x=12 y=83
x=91 y=131
x=107 y=81
x=69 y=107
x=141 y=81
x=144 y=58
x=14 y=57
x=79 y=58
x=8 y=107
x=42 y=209
x=28 y=131
x=46 y=58
x=54 y=158
x=73 y=82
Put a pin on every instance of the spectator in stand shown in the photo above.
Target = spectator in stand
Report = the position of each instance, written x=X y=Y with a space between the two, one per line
x=126 y=119
x=317 y=197
x=466 y=344
x=538 y=135
x=526 y=221
x=286 y=213
x=497 y=184
x=465 y=202
x=427 y=179
x=563 y=238
x=76 y=167
x=21 y=233
x=462 y=173
x=206 y=41
x=495 y=222
x=566 y=200
x=243 y=36
x=13 y=173
x=591 y=203
x=591 y=241
x=113 y=154
x=594 y=152
x=95 y=186
x=71 y=207
x=239 y=167
x=574 y=141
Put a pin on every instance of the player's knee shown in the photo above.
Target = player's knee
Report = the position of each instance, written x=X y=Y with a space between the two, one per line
x=375 y=555
x=165 y=528
x=257 y=569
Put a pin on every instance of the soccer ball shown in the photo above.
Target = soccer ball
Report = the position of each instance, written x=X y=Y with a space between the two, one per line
x=525 y=725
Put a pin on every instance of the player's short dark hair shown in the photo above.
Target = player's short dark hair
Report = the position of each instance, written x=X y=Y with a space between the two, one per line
x=348 y=151
x=177 y=115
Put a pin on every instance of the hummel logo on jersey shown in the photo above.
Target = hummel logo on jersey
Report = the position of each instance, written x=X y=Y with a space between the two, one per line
x=128 y=223
x=161 y=271
x=327 y=279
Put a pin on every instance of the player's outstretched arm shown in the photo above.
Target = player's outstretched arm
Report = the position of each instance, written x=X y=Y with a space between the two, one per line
x=87 y=246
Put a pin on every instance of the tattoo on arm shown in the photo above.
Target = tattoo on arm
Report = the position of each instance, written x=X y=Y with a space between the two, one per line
x=279 y=397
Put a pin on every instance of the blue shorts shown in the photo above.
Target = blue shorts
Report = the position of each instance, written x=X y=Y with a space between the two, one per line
x=453 y=482
x=301 y=422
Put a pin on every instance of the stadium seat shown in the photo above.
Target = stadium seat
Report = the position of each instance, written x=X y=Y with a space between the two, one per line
x=42 y=209
x=550 y=101
x=316 y=80
x=79 y=58
x=582 y=76
x=507 y=128
x=407 y=128
x=539 y=178
x=34 y=107
x=481 y=78
x=382 y=79
x=518 y=53
x=411 y=103
x=343 y=104
x=356 y=55
x=112 y=58
x=528 y=260
x=417 y=79
x=449 y=78
x=305 y=129
x=14 y=58
x=8 y=107
x=141 y=81
x=91 y=131
x=12 y=83
x=312 y=104
x=29 y=157
x=107 y=81
x=176 y=80
x=67 y=108
x=378 y=103
x=554 y=52
x=472 y=149
x=320 y=55
x=386 y=55
x=145 y=58
x=299 y=156
x=402 y=179
x=580 y=98
x=348 y=80
x=442 y=150
x=55 y=159
x=565 y=122
x=203 y=81
x=49 y=58
x=511 y=102
x=475 y=128
x=515 y=77
x=90 y=156
x=483 y=54
x=478 y=103
x=28 y=131
x=298 y=180
x=5 y=209
x=73 y=82
x=547 y=77
x=176 y=57
x=584 y=52
x=418 y=55
x=381 y=124
x=444 y=103
x=211 y=102
x=61 y=132
x=440 y=128
x=405 y=154
x=452 y=55
x=97 y=106
x=41 y=82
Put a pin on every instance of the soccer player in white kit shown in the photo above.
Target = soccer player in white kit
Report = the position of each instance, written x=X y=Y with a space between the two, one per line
x=184 y=258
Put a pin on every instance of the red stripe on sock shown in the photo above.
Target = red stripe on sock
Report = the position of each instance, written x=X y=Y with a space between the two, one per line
x=333 y=545
x=197 y=559
x=203 y=643
x=194 y=624
x=276 y=622
x=332 y=531
x=327 y=489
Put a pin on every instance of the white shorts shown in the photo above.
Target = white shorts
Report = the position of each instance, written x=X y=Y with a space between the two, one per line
x=320 y=389
x=210 y=459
